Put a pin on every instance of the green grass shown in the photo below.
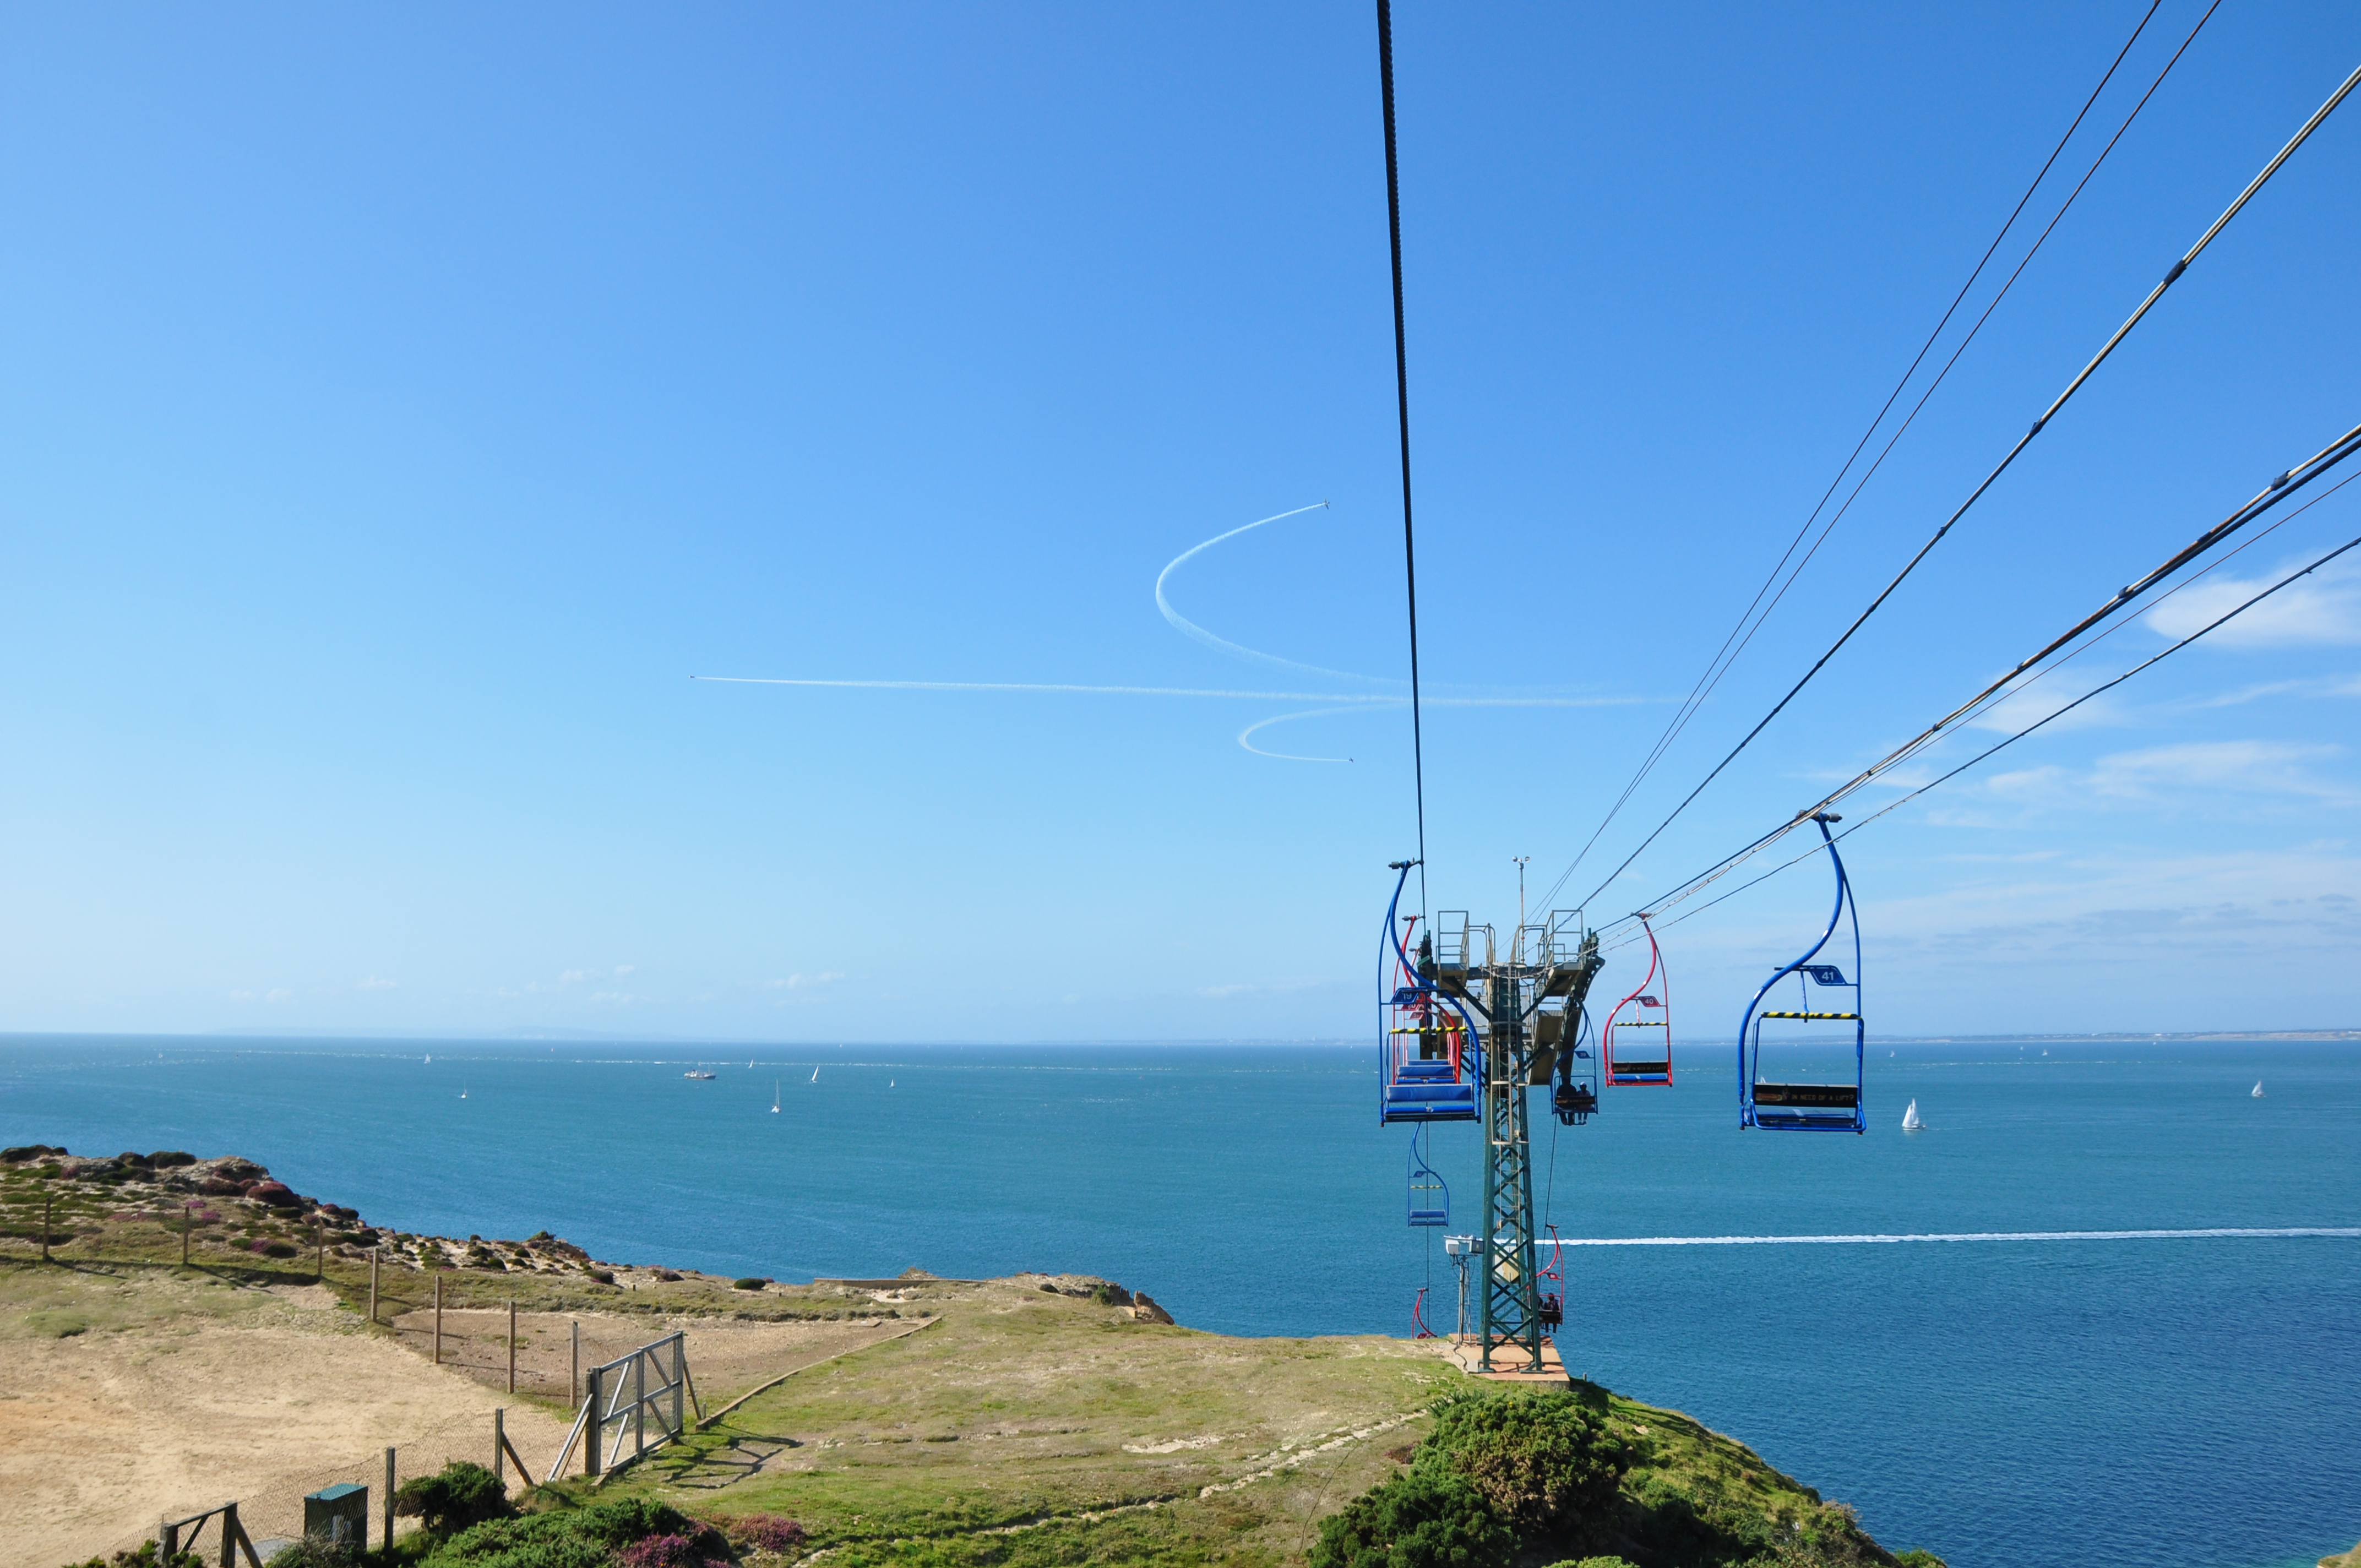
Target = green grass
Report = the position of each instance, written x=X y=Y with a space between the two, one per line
x=1020 y=1429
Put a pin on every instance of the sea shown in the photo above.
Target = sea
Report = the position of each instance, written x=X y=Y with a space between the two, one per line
x=2105 y=1309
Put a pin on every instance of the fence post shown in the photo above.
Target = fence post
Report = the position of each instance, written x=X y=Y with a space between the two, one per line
x=388 y=1499
x=500 y=1442
x=375 y=1254
x=438 y=1317
x=229 y=1534
x=512 y=1345
x=590 y=1428
x=47 y=1200
x=574 y=1371
x=679 y=1377
x=319 y=1255
x=168 y=1540
x=639 y=1404
x=188 y=1224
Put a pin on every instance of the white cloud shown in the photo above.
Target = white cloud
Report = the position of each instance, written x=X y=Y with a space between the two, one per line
x=2323 y=609
x=278 y=996
x=2272 y=767
x=241 y=996
x=2031 y=704
x=622 y=970
x=374 y=983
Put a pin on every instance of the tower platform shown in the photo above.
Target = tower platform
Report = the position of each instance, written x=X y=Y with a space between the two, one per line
x=1509 y=1363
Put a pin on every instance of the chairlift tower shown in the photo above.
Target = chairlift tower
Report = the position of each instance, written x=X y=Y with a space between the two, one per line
x=1527 y=1007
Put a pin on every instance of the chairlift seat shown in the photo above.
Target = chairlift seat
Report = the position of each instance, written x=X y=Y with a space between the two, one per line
x=1640 y=1071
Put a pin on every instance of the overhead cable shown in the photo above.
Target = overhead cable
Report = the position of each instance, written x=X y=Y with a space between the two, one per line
x=2279 y=489
x=2024 y=441
x=1401 y=394
x=2213 y=625
x=1725 y=656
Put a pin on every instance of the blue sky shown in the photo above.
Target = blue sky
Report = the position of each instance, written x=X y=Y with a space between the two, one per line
x=400 y=407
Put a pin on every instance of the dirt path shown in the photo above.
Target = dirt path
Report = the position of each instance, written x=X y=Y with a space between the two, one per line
x=103 y=1432
x=726 y=1357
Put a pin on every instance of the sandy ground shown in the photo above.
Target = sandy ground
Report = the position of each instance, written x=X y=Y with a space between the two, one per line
x=103 y=1433
x=725 y=1357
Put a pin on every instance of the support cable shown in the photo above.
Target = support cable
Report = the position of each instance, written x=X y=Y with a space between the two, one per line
x=2024 y=441
x=2211 y=626
x=2279 y=489
x=1401 y=394
x=1726 y=657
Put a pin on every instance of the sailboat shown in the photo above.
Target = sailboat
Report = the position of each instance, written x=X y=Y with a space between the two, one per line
x=775 y=1097
x=430 y=1059
x=2259 y=1089
x=1910 y=1121
x=815 y=1075
x=749 y=1064
x=462 y=1092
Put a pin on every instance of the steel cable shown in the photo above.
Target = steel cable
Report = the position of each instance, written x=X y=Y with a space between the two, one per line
x=2009 y=685
x=2055 y=404
x=2038 y=723
x=1719 y=665
x=1401 y=394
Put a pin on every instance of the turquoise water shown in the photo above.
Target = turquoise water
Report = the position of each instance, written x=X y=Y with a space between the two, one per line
x=2180 y=1402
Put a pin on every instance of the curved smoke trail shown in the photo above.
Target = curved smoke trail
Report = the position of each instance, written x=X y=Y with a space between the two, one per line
x=1189 y=627
x=1307 y=713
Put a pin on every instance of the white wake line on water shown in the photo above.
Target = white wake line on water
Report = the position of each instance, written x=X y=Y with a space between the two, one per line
x=2348 y=1232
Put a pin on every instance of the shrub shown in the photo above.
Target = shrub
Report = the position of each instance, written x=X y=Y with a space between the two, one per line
x=313 y=1553
x=749 y=1283
x=764 y=1532
x=275 y=1193
x=1419 y=1518
x=582 y=1538
x=145 y=1556
x=1569 y=1563
x=165 y=1159
x=461 y=1496
x=666 y=1551
x=278 y=1249
x=1542 y=1461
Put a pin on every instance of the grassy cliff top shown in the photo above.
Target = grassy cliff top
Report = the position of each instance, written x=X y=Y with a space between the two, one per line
x=1033 y=1420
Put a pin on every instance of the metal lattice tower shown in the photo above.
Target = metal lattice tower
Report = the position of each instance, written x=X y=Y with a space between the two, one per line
x=1529 y=1008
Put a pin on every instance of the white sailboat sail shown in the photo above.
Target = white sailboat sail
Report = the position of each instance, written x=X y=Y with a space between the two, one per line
x=2259 y=1089
x=1910 y=1121
x=775 y=1097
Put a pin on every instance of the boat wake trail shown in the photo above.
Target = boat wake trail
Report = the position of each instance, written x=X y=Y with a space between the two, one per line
x=2218 y=1232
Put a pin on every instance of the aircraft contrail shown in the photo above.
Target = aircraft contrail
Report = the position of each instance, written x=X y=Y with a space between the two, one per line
x=2347 y=1233
x=1378 y=699
x=1191 y=629
x=1283 y=717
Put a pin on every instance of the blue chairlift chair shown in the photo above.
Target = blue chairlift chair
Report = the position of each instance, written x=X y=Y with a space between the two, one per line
x=1776 y=1104
x=1429 y=1054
